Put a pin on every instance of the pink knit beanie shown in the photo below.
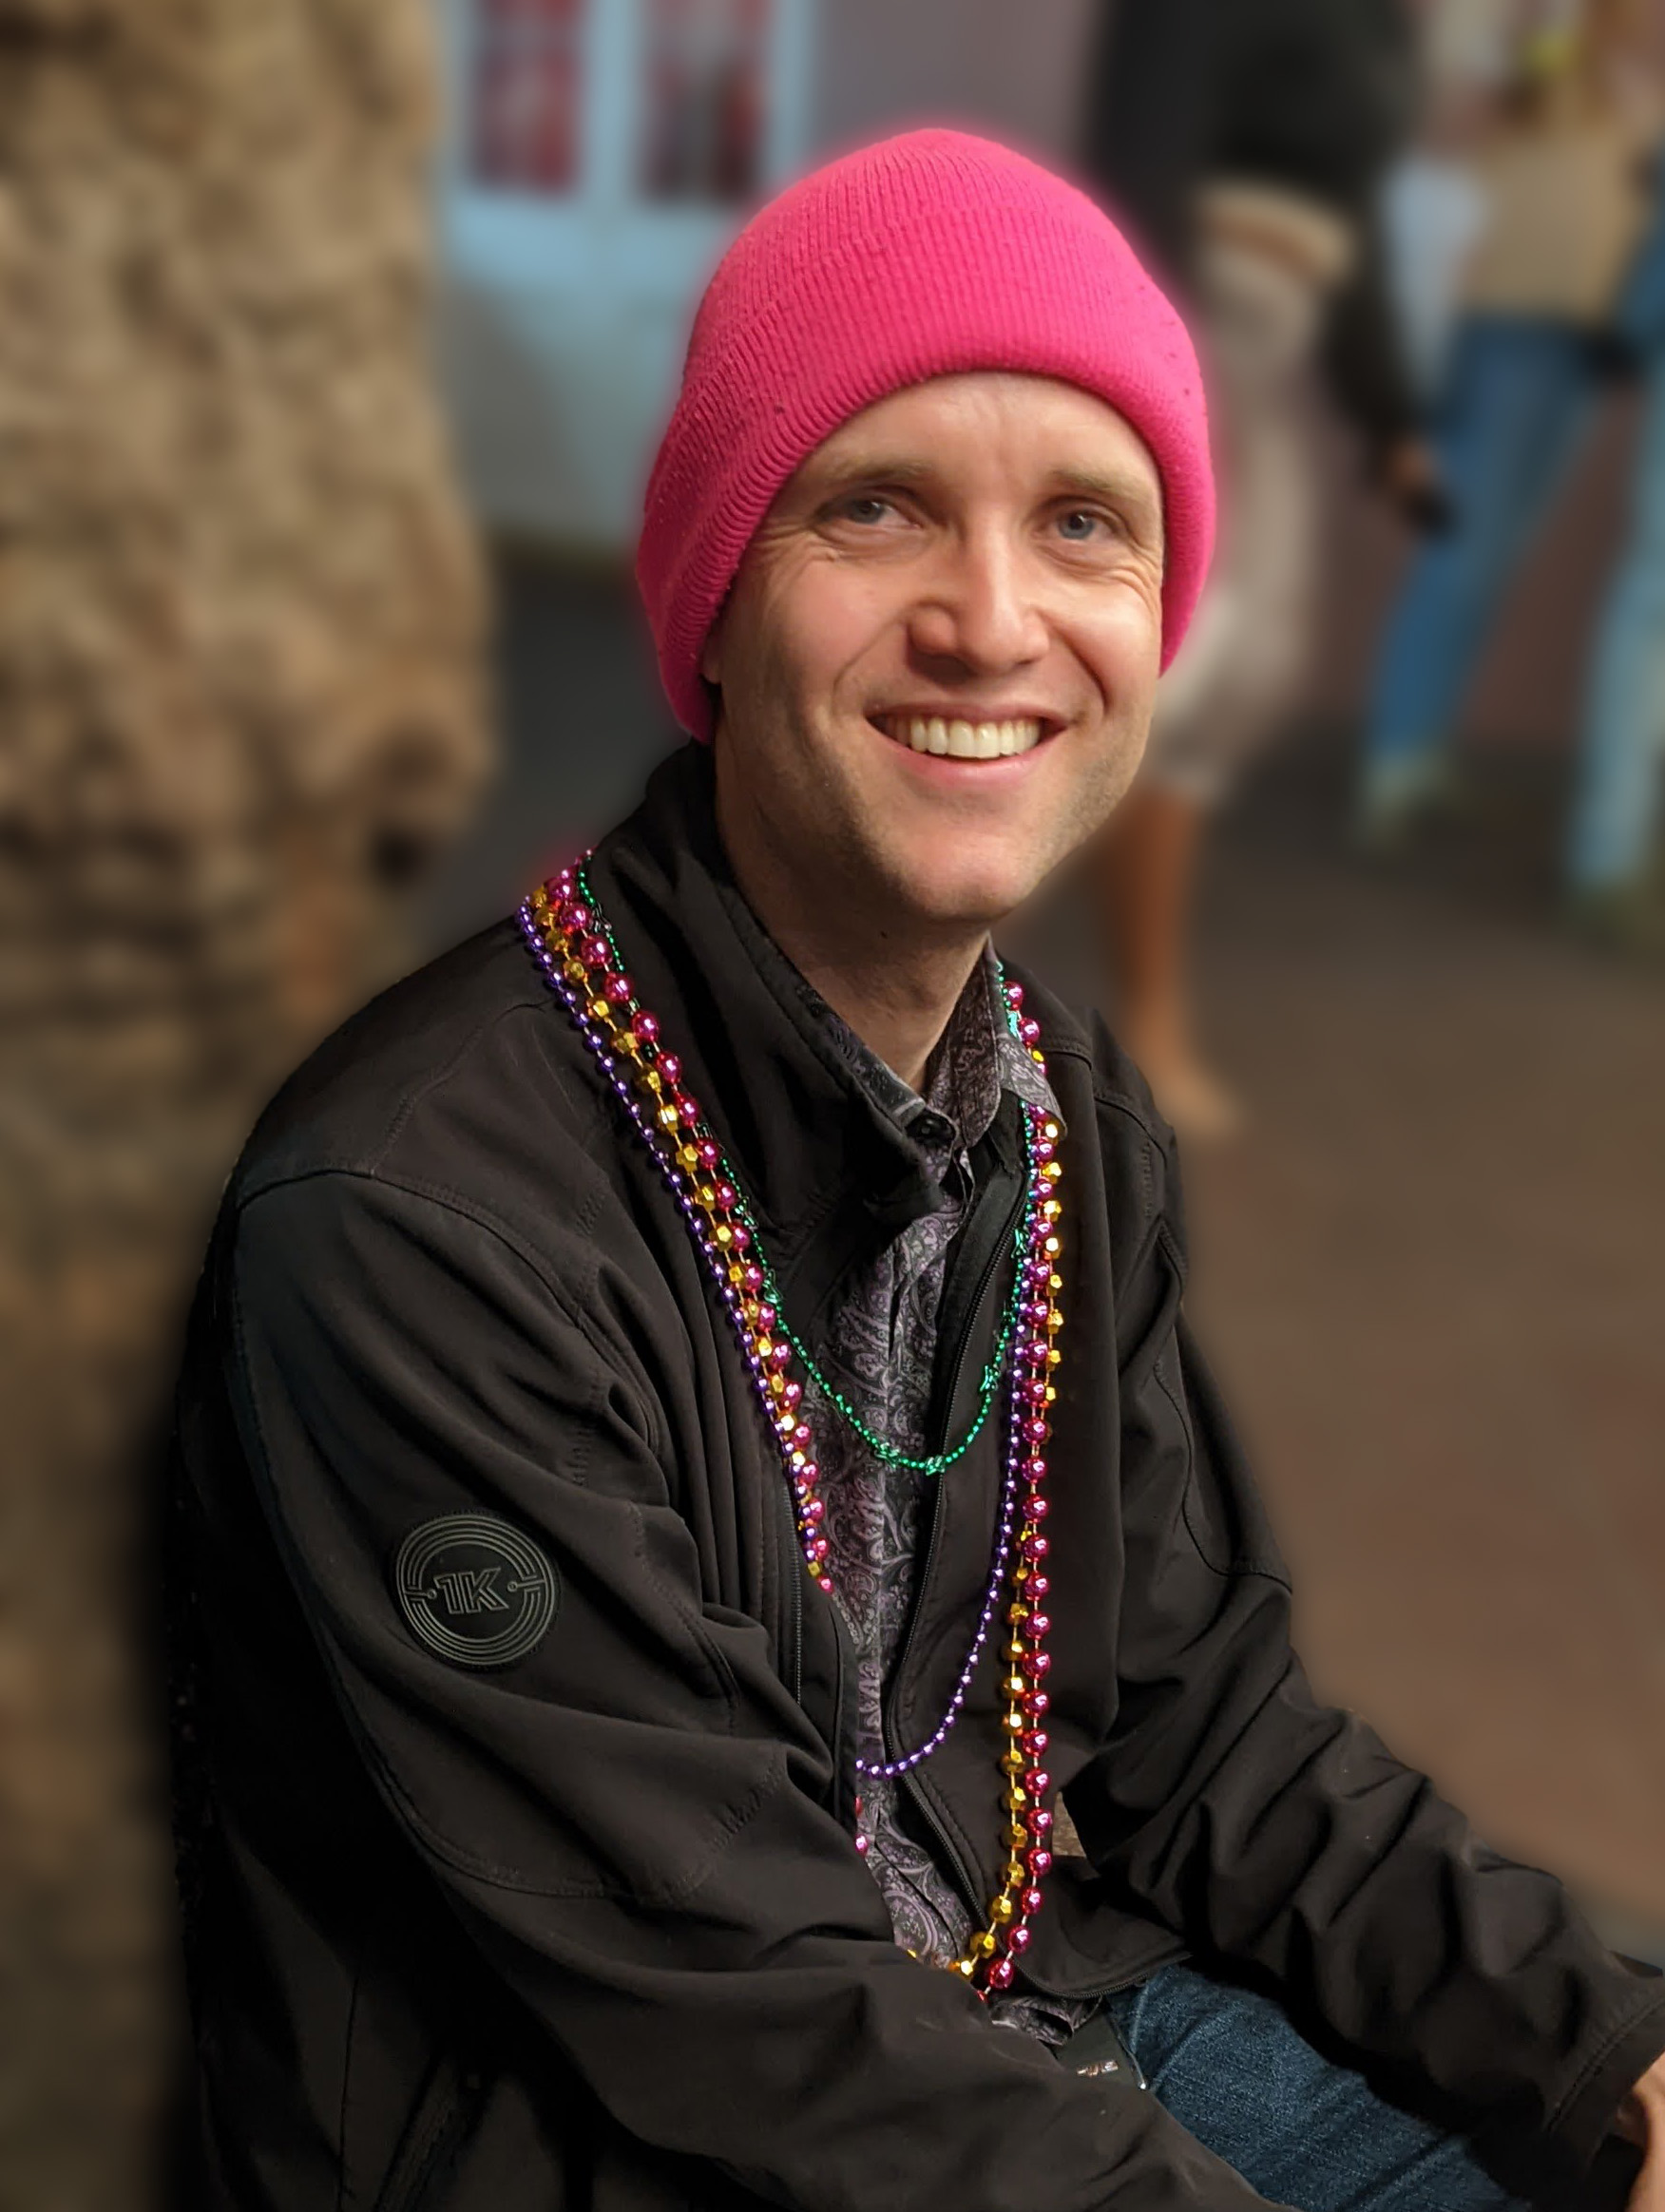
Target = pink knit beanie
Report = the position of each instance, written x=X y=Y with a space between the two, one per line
x=928 y=253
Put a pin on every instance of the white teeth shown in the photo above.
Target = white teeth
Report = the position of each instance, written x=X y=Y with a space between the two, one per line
x=964 y=740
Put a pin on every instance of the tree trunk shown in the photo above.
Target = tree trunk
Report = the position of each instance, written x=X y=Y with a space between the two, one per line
x=240 y=704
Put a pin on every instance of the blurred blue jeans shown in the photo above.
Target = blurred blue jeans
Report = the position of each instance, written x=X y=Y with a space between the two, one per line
x=1615 y=814
x=1301 y=2129
x=1519 y=394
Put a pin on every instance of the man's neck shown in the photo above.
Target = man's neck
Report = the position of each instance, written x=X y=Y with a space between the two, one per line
x=898 y=1006
x=895 y=986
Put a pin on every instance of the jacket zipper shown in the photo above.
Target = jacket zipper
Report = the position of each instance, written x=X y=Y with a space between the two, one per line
x=952 y=1852
x=1002 y=1252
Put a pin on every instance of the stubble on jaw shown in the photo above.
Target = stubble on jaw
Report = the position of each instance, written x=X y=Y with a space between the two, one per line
x=822 y=877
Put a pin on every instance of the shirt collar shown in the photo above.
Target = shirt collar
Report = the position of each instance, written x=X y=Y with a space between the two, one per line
x=976 y=1059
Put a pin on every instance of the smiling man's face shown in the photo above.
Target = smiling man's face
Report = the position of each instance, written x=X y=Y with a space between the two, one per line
x=939 y=657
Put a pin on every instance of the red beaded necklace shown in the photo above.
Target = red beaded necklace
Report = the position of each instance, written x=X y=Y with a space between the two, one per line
x=573 y=945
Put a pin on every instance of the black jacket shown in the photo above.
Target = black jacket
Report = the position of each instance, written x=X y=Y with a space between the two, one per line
x=588 y=1930
x=1314 y=96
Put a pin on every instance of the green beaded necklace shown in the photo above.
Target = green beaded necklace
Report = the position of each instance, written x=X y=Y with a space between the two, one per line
x=932 y=1462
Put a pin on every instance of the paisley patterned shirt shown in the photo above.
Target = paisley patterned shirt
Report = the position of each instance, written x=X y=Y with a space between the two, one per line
x=883 y=1347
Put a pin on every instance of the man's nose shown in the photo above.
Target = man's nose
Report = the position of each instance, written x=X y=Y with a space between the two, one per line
x=982 y=608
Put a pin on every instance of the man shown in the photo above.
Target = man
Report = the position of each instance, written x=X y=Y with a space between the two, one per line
x=551 y=1836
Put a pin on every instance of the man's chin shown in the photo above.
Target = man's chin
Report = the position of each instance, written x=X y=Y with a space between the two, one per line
x=962 y=863
x=972 y=895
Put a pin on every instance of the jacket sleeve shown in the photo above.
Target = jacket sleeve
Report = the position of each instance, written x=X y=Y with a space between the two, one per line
x=1284 y=1842
x=629 y=1820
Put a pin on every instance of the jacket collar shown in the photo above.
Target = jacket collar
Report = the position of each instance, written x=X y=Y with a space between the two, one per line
x=827 y=1165
x=977 y=1060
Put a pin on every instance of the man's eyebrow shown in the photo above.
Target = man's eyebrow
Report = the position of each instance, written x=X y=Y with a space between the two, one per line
x=1116 y=490
x=837 y=475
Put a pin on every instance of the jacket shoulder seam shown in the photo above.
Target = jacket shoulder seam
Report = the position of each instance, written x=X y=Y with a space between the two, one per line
x=1153 y=1172
x=442 y=1074
x=1067 y=1048
x=565 y=1297
x=450 y=1200
x=1130 y=1109
x=376 y=1150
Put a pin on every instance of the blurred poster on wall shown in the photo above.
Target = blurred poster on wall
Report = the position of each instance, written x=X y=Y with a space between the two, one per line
x=525 y=90
x=707 y=92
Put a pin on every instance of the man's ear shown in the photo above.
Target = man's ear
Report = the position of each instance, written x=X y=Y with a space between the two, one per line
x=711 y=653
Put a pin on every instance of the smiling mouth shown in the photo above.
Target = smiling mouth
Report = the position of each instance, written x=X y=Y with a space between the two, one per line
x=962 y=741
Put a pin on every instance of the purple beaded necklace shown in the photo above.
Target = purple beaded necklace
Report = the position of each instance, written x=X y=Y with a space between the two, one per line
x=572 y=945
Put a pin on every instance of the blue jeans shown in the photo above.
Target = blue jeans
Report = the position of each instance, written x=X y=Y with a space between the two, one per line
x=1301 y=2129
x=1616 y=811
x=1519 y=398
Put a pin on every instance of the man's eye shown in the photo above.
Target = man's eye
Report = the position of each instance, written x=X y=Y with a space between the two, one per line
x=866 y=508
x=1079 y=526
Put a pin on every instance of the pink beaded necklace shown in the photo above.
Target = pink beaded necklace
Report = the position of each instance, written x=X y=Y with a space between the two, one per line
x=574 y=950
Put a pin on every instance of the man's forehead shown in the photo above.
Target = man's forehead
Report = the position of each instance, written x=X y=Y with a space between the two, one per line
x=926 y=430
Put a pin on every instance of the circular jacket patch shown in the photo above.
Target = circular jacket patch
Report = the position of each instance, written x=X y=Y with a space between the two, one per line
x=475 y=1591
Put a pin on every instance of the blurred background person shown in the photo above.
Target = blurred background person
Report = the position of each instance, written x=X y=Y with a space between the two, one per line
x=1559 y=111
x=1245 y=140
x=1613 y=845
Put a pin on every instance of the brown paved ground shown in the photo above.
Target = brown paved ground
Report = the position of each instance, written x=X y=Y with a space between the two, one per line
x=1433 y=1273
x=1436 y=1275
